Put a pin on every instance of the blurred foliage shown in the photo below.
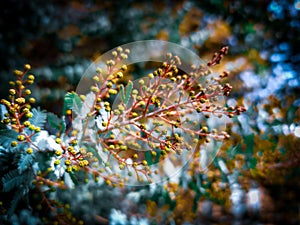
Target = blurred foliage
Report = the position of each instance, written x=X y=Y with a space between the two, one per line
x=61 y=38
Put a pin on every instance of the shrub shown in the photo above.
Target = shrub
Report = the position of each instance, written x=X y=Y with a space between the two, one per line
x=114 y=134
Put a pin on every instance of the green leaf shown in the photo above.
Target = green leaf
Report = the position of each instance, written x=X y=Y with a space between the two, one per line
x=122 y=93
x=12 y=179
x=17 y=197
x=249 y=141
x=25 y=161
x=3 y=110
x=125 y=94
x=38 y=118
x=73 y=178
x=72 y=101
x=7 y=136
x=95 y=153
x=150 y=159
x=251 y=162
x=54 y=121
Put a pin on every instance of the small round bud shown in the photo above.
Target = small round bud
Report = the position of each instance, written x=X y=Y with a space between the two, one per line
x=14 y=144
x=27 y=92
x=109 y=84
x=142 y=103
x=12 y=91
x=18 y=72
x=150 y=75
x=30 y=77
x=32 y=100
x=96 y=78
x=58 y=152
x=27 y=67
x=58 y=140
x=98 y=70
x=68 y=162
x=119 y=74
x=68 y=112
x=21 y=137
x=114 y=53
x=29 y=150
x=124 y=67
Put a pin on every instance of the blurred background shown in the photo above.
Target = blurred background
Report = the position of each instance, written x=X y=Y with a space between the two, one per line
x=261 y=181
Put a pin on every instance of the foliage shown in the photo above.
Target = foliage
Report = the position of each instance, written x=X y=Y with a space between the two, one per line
x=93 y=136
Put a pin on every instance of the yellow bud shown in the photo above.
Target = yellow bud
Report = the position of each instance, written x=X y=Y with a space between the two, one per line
x=68 y=112
x=29 y=150
x=119 y=74
x=27 y=67
x=12 y=91
x=27 y=92
x=30 y=77
x=124 y=67
x=57 y=162
x=18 y=72
x=58 y=140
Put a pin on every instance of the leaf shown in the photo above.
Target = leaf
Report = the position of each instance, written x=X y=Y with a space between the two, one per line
x=5 y=159
x=72 y=101
x=251 y=163
x=122 y=92
x=12 y=179
x=38 y=118
x=249 y=142
x=54 y=121
x=73 y=178
x=25 y=161
x=95 y=153
x=17 y=197
x=150 y=159
x=125 y=94
x=3 y=110
x=7 y=136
